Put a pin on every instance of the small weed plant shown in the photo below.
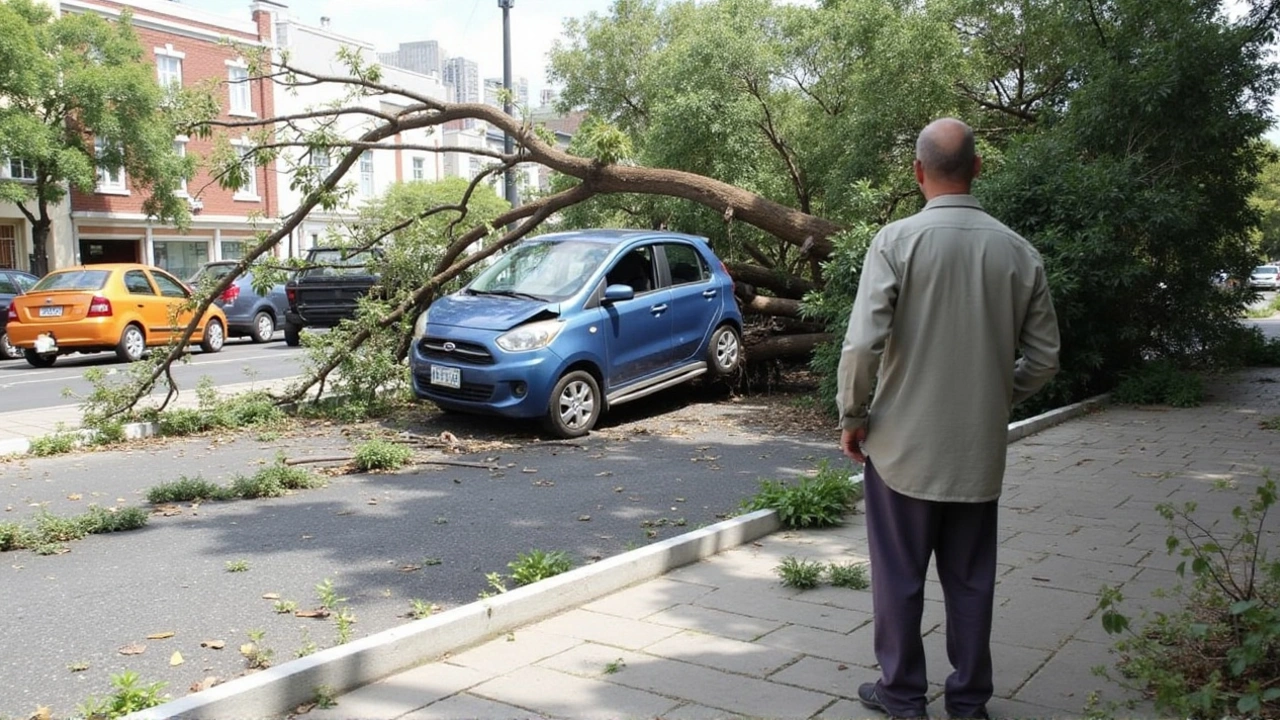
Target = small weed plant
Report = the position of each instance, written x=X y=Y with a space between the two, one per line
x=1217 y=654
x=818 y=501
x=325 y=697
x=186 y=489
x=379 y=454
x=849 y=575
x=345 y=620
x=284 y=607
x=49 y=532
x=419 y=609
x=1160 y=382
x=614 y=667
x=58 y=443
x=237 y=566
x=129 y=695
x=1272 y=423
x=328 y=595
x=256 y=654
x=273 y=481
x=538 y=565
x=800 y=574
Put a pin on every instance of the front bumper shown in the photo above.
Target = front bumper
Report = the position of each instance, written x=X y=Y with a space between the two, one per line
x=515 y=385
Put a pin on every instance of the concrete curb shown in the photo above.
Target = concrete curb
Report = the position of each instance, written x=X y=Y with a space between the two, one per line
x=279 y=689
x=1033 y=425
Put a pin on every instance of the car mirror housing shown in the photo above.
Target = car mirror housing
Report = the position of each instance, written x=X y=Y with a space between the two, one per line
x=618 y=293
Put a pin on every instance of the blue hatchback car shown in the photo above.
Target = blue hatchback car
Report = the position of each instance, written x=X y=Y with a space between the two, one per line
x=563 y=326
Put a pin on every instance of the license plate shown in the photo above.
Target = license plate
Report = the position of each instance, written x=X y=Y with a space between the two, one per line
x=50 y=311
x=446 y=376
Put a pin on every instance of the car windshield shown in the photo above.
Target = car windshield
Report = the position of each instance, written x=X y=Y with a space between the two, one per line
x=73 y=280
x=337 y=262
x=1266 y=270
x=214 y=272
x=542 y=270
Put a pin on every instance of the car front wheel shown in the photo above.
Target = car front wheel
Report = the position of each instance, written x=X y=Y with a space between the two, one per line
x=132 y=344
x=264 y=326
x=215 y=336
x=724 y=354
x=35 y=359
x=574 y=406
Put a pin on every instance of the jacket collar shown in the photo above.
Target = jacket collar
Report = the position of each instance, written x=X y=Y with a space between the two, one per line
x=966 y=201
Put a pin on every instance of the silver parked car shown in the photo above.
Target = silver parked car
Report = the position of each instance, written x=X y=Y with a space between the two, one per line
x=1265 y=277
x=248 y=313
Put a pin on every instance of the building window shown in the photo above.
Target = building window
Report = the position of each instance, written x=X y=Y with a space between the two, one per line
x=169 y=67
x=240 y=90
x=180 y=257
x=8 y=246
x=180 y=149
x=20 y=169
x=320 y=160
x=232 y=249
x=366 y=174
x=111 y=179
x=419 y=169
x=248 y=191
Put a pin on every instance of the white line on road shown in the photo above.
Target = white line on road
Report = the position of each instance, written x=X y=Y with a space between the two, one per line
x=60 y=376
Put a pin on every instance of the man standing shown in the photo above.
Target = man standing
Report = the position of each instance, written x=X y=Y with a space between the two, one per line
x=952 y=326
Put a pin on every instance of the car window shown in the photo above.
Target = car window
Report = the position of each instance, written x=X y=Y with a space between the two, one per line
x=169 y=287
x=551 y=270
x=8 y=286
x=135 y=281
x=338 y=262
x=73 y=280
x=26 y=282
x=686 y=264
x=1266 y=270
x=634 y=269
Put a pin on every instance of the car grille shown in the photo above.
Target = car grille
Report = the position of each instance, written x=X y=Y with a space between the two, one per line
x=463 y=352
x=471 y=392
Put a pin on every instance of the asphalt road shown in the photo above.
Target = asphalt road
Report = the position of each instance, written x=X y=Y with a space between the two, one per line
x=430 y=532
x=23 y=387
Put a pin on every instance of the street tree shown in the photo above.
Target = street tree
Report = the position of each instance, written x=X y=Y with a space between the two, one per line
x=77 y=94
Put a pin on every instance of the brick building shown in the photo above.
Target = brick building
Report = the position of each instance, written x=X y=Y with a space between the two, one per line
x=186 y=47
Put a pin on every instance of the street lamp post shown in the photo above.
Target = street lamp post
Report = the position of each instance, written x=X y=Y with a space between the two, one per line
x=507 y=143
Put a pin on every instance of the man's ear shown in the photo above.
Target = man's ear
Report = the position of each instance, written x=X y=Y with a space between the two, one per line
x=977 y=165
x=919 y=168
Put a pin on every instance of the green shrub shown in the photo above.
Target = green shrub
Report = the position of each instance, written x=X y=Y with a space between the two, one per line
x=100 y=520
x=12 y=536
x=49 y=532
x=129 y=696
x=186 y=489
x=183 y=421
x=55 y=444
x=538 y=565
x=1218 y=653
x=849 y=575
x=819 y=501
x=1160 y=383
x=273 y=481
x=379 y=454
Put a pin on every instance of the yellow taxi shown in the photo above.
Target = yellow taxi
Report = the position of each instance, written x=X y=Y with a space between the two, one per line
x=120 y=307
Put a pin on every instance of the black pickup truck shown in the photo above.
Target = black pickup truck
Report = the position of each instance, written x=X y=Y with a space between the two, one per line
x=327 y=291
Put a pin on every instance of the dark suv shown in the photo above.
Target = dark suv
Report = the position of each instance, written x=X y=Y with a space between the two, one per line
x=328 y=290
x=12 y=284
x=248 y=313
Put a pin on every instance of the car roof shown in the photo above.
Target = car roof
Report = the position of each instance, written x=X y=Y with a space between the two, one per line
x=108 y=266
x=613 y=236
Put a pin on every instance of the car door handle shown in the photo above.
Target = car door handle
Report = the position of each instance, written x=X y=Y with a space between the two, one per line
x=658 y=309
x=708 y=293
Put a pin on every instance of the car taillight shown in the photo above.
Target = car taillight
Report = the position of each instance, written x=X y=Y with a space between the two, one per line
x=230 y=294
x=291 y=294
x=13 y=314
x=99 y=307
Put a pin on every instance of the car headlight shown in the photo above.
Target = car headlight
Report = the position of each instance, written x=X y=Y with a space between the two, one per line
x=420 y=326
x=530 y=337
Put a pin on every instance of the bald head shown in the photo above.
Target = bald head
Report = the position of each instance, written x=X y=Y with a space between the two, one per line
x=946 y=154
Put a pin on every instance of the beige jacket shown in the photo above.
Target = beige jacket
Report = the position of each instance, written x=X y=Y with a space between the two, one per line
x=952 y=326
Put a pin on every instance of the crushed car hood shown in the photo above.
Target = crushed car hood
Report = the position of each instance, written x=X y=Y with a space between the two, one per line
x=488 y=312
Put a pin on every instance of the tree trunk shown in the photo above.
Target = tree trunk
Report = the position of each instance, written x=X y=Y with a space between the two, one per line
x=781 y=283
x=40 y=247
x=765 y=305
x=785 y=346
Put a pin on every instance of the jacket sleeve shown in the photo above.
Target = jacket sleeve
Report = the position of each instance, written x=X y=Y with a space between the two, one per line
x=870 y=321
x=1038 y=342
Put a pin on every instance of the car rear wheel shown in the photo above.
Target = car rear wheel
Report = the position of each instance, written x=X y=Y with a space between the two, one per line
x=7 y=350
x=574 y=406
x=264 y=326
x=215 y=336
x=724 y=354
x=292 y=335
x=132 y=344
x=35 y=359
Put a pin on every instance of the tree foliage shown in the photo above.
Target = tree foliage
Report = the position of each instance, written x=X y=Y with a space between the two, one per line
x=68 y=81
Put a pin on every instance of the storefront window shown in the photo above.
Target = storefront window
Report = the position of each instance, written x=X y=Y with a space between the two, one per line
x=232 y=250
x=181 y=258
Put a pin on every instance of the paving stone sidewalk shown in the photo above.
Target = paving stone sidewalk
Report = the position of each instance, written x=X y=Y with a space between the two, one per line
x=723 y=638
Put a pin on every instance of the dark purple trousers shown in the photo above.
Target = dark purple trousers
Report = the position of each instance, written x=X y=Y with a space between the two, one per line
x=903 y=532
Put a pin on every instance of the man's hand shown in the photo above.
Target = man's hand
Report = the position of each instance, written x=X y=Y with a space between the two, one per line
x=851 y=443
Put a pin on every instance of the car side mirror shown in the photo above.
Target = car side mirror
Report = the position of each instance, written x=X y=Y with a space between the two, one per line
x=618 y=293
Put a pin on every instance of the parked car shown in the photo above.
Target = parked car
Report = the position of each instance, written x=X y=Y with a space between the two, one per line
x=12 y=284
x=564 y=326
x=1265 y=277
x=328 y=290
x=120 y=307
x=248 y=313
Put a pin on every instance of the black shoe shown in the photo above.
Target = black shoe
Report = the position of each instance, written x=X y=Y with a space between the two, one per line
x=869 y=694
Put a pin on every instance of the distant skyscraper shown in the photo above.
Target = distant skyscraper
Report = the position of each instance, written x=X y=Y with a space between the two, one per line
x=547 y=97
x=424 y=57
x=520 y=86
x=464 y=76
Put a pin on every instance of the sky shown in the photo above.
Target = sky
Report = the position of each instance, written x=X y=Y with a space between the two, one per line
x=470 y=28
